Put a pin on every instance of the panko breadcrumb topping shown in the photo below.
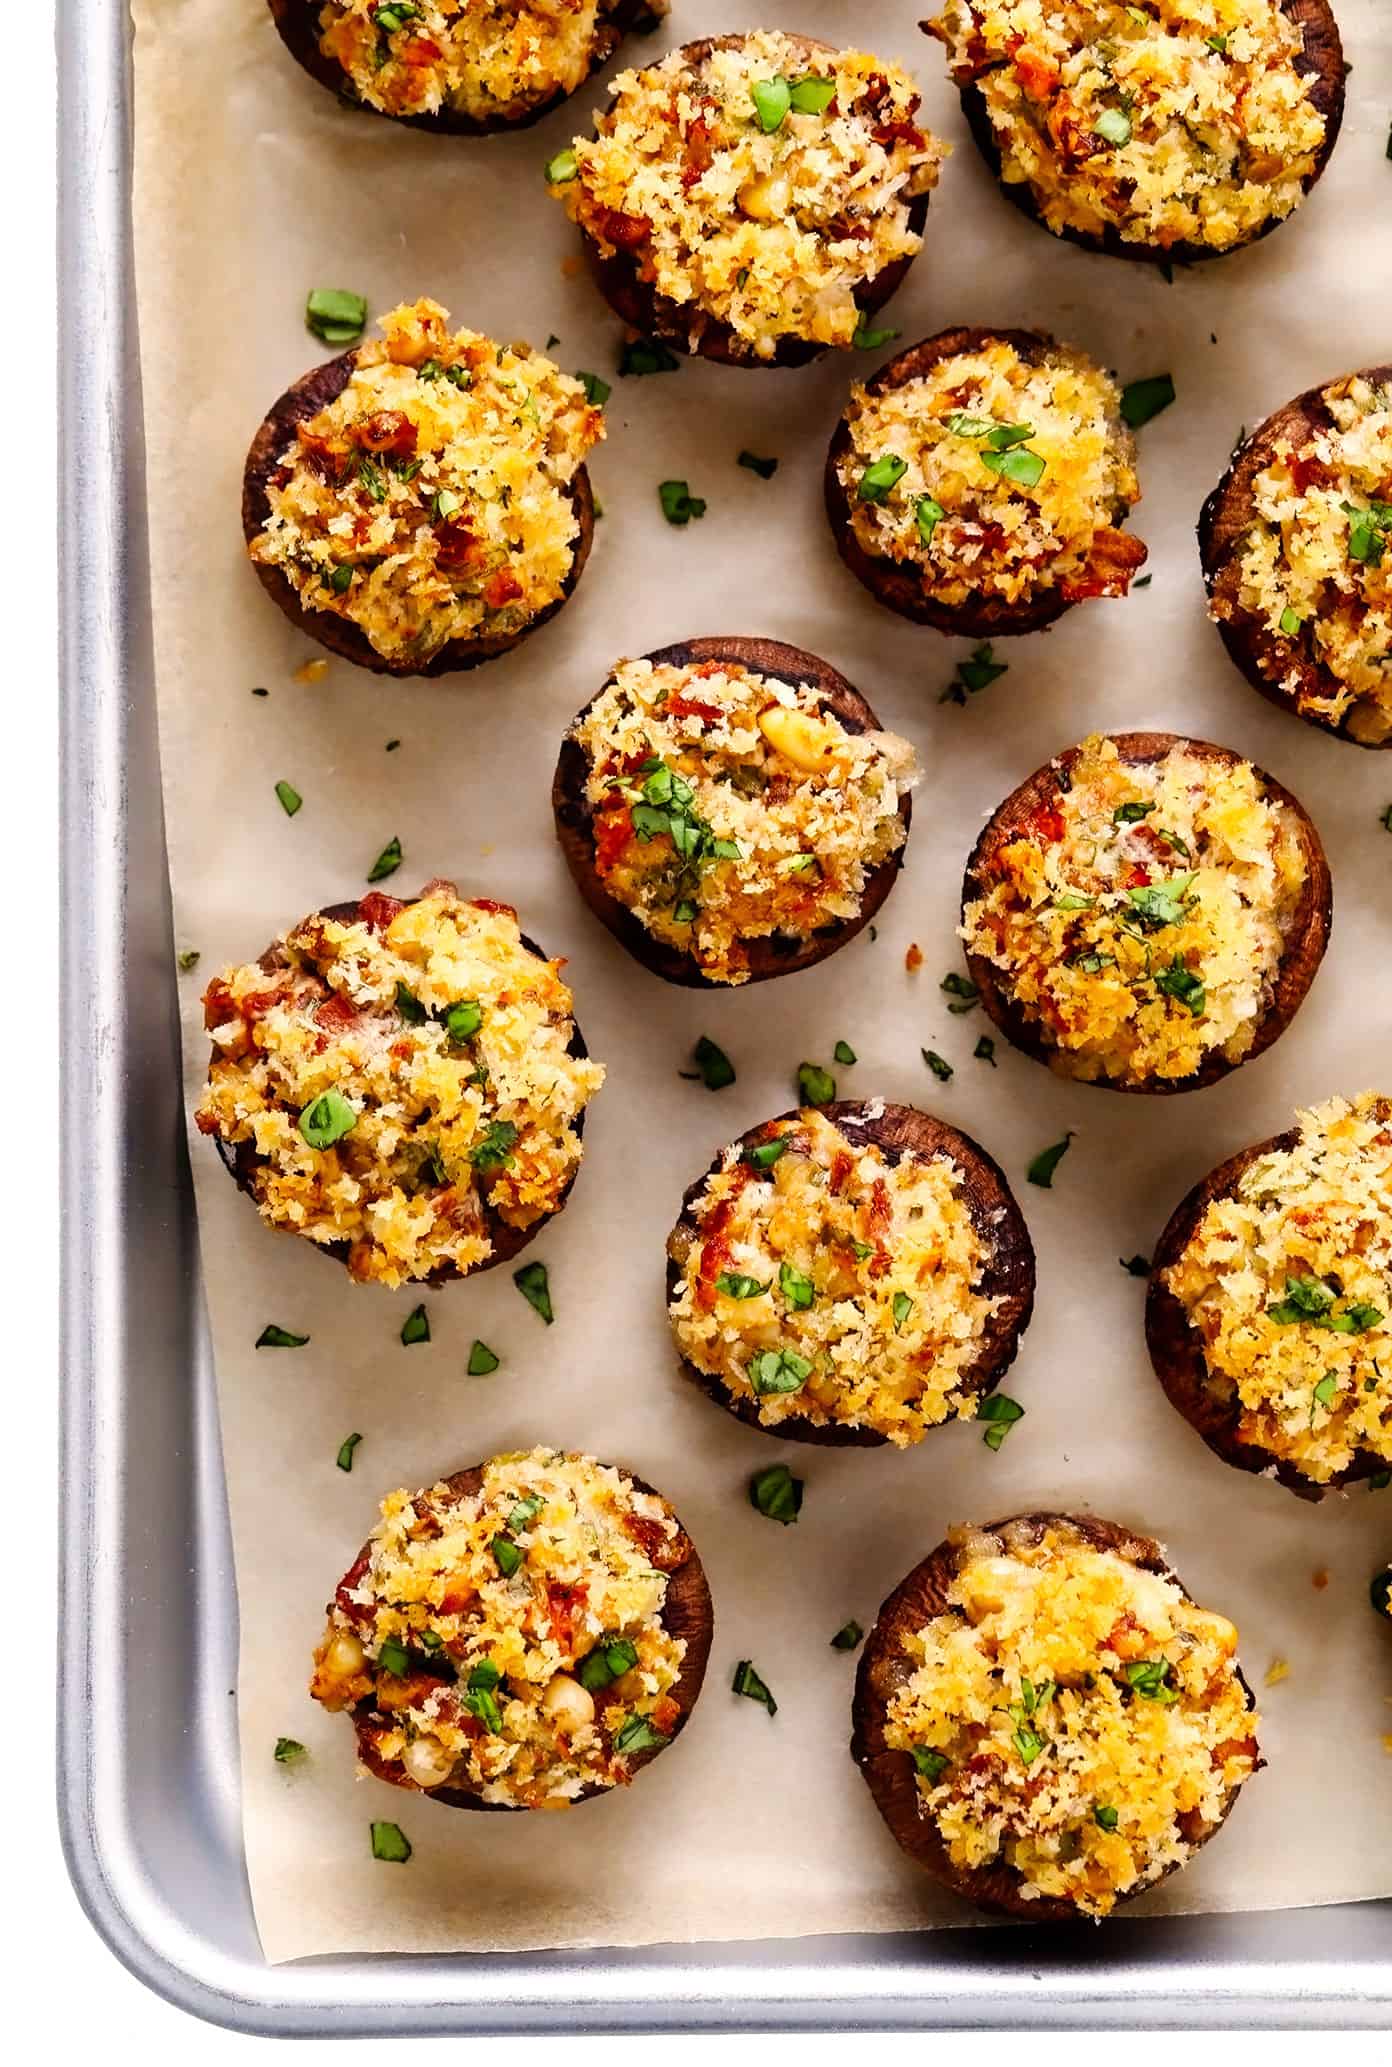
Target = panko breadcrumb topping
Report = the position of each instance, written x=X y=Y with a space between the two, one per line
x=1072 y=1717
x=1315 y=568
x=1289 y=1283
x=1176 y=122
x=400 y=1082
x=1139 y=917
x=433 y=499
x=729 y=806
x=758 y=186
x=508 y=1639
x=825 y=1281
x=489 y=60
x=1015 y=475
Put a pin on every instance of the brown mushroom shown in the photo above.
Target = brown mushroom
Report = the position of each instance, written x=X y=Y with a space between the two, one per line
x=1280 y=667
x=1306 y=937
x=768 y=955
x=1008 y=1276
x=885 y=1665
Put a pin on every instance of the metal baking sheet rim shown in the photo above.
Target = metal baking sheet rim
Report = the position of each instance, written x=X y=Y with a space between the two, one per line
x=148 y=1792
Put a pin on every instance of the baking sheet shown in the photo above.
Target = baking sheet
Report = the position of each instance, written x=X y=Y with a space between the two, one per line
x=251 y=187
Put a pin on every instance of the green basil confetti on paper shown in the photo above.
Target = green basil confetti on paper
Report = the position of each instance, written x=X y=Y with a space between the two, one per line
x=482 y=1361
x=597 y=391
x=346 y=1448
x=815 y=1085
x=532 y=1282
x=387 y=862
x=335 y=314
x=1041 y=1170
x=843 y=1053
x=415 y=1327
x=390 y=1843
x=985 y=1051
x=717 y=1070
x=287 y=1750
x=1142 y=399
x=747 y=1682
x=642 y=355
x=776 y=1493
x=962 y=993
x=847 y=1636
x=189 y=959
x=272 y=1337
x=679 y=505
x=764 y=468
x=942 y=1070
x=1000 y=1413
x=290 y=798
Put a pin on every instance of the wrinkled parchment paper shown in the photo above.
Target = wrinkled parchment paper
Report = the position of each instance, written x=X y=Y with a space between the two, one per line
x=253 y=186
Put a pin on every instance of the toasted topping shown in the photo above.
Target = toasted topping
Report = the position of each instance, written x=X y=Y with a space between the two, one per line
x=1289 y=1283
x=1315 y=566
x=729 y=806
x=1187 y=125
x=464 y=1640
x=749 y=194
x=830 y=1285
x=433 y=499
x=368 y=1117
x=1140 y=916
x=1071 y=1717
x=996 y=473
x=492 y=61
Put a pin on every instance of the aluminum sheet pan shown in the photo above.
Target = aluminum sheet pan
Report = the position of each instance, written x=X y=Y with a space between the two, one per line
x=147 y=1769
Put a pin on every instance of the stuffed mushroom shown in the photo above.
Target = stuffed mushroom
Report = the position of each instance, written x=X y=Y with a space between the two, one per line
x=1146 y=912
x=401 y=1082
x=752 y=198
x=731 y=809
x=420 y=504
x=858 y=1273
x=1296 y=542
x=1269 y=1312
x=466 y=67
x=1046 y=1720
x=527 y=1634
x=979 y=482
x=1171 y=132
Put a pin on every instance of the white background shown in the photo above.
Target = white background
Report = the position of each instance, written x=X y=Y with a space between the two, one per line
x=67 y=1992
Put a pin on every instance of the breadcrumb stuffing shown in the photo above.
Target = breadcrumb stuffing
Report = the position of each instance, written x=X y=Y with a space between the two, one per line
x=1072 y=1716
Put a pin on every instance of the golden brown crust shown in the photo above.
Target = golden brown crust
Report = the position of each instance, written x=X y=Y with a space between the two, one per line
x=618 y=275
x=898 y=1131
x=1268 y=661
x=298 y=24
x=1322 y=59
x=984 y=617
x=241 y=1161
x=687 y=1614
x=884 y=1666
x=774 y=955
x=305 y=398
x=1305 y=943
x=1211 y=1407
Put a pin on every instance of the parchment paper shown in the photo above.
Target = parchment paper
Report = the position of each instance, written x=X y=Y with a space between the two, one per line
x=253 y=186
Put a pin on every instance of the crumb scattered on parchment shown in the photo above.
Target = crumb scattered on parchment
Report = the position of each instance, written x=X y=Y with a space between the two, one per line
x=312 y=671
x=1276 y=1671
x=1320 y=1579
x=572 y=267
x=914 y=958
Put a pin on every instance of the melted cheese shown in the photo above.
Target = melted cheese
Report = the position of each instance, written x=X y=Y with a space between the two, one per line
x=1311 y=505
x=433 y=1610
x=1182 y=123
x=1315 y=1386
x=781 y=814
x=441 y=1124
x=434 y=498
x=967 y=528
x=1064 y=1684
x=768 y=232
x=864 y=1269
x=1140 y=919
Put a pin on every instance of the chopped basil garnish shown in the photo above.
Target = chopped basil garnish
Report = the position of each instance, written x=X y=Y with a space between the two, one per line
x=1291 y=621
x=941 y=1070
x=961 y=990
x=778 y=1370
x=1130 y=814
x=930 y=1765
x=1104 y=1817
x=772 y=99
x=903 y=1307
x=346 y=1448
x=1000 y=1413
x=563 y=168
x=1142 y=399
x=390 y=1842
x=1155 y=905
x=638 y=1734
x=1368 y=531
x=776 y=1493
x=1324 y=1394
x=335 y=315
x=506 y=1556
x=764 y=468
x=525 y=1512
x=735 y=1285
x=1041 y=1170
x=864 y=339
x=287 y=1750
x=985 y=1051
x=391 y=746
x=189 y=957
x=717 y=1070
x=747 y=1681
x=843 y=1053
x=327 y=1120
x=645 y=355
x=610 y=1660
x=462 y=1021
x=1150 y=1678
x=387 y=862
x=340 y=580
x=847 y=1636
x=679 y=505
x=880 y=476
x=1220 y=44
x=415 y=1327
x=1027 y=1742
x=815 y=1085
x=392 y=1657
x=597 y=391
x=494 y=1151
x=974 y=675
x=409 y=1006
x=1020 y=465
x=272 y=1337
x=1178 y=981
x=928 y=514
x=482 y=1362
x=798 y=1291
x=1135 y=1266
x=290 y=798
x=479 y=1702
x=1113 y=125
x=963 y=424
x=813 y=96
x=1309 y=1300
x=764 y=1154
x=531 y=1281
x=685 y=912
